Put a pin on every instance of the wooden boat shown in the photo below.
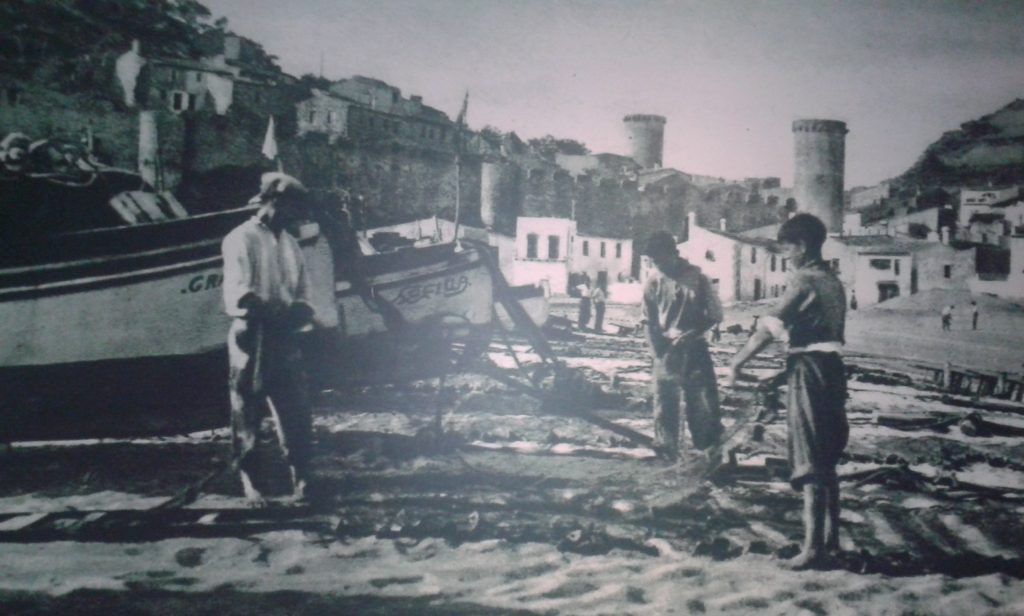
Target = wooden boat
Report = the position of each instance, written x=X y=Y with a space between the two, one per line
x=119 y=330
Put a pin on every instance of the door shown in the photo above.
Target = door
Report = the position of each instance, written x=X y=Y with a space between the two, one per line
x=887 y=290
x=757 y=289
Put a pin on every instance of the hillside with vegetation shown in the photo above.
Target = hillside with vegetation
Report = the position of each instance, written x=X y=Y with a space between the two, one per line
x=987 y=150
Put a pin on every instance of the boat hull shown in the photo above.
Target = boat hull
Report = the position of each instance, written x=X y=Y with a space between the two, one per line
x=141 y=350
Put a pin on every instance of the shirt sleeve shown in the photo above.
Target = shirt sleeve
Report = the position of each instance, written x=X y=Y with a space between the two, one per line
x=712 y=305
x=303 y=287
x=650 y=314
x=238 y=279
x=784 y=313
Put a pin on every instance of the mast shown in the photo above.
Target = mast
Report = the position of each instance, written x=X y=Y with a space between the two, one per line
x=461 y=124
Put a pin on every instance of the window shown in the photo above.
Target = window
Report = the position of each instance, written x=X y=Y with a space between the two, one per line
x=197 y=77
x=618 y=250
x=332 y=117
x=947 y=271
x=552 y=247
x=602 y=249
x=312 y=117
x=753 y=255
x=880 y=264
x=773 y=263
x=531 y=246
x=835 y=265
x=896 y=267
x=709 y=255
x=586 y=248
x=784 y=263
x=182 y=101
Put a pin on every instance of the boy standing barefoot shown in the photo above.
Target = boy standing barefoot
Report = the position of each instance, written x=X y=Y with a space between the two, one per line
x=813 y=310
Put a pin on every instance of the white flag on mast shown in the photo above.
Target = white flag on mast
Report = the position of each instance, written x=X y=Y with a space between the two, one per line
x=270 y=141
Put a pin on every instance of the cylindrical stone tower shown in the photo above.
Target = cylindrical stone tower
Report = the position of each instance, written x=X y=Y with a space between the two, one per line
x=646 y=134
x=820 y=158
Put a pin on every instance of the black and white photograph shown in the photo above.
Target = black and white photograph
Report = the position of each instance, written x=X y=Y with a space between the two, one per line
x=527 y=307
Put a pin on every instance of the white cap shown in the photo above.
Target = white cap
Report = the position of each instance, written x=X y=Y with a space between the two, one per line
x=277 y=183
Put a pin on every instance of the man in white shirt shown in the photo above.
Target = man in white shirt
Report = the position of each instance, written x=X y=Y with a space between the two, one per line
x=266 y=291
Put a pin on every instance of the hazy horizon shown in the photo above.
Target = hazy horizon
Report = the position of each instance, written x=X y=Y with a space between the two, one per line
x=730 y=76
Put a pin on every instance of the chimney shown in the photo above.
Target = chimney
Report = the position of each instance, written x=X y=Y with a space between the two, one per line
x=723 y=224
x=232 y=47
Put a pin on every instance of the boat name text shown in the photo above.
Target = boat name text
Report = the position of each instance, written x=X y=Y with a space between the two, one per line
x=450 y=286
x=203 y=282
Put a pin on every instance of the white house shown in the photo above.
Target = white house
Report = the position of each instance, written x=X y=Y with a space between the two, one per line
x=880 y=267
x=742 y=268
x=543 y=250
x=1009 y=286
x=603 y=259
x=551 y=250
x=984 y=201
x=323 y=112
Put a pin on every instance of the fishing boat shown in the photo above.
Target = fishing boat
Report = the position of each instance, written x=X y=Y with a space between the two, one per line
x=118 y=328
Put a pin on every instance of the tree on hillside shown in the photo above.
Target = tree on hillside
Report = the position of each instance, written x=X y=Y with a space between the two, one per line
x=309 y=81
x=69 y=45
x=549 y=145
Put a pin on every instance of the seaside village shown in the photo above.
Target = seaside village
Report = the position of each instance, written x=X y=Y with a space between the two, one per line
x=514 y=463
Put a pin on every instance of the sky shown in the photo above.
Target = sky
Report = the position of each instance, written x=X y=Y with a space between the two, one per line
x=729 y=75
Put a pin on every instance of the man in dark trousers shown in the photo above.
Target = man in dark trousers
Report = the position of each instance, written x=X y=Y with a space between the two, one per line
x=267 y=292
x=813 y=311
x=679 y=309
x=584 y=289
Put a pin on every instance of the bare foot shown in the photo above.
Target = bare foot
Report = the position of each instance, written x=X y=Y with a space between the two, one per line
x=256 y=501
x=253 y=498
x=298 y=493
x=805 y=561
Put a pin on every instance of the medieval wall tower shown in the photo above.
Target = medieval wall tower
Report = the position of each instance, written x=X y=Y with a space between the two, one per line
x=646 y=134
x=820 y=158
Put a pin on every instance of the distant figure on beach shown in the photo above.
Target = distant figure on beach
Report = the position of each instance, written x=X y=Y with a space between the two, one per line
x=679 y=307
x=974 y=315
x=813 y=310
x=598 y=297
x=753 y=326
x=584 y=289
x=853 y=300
x=947 y=318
